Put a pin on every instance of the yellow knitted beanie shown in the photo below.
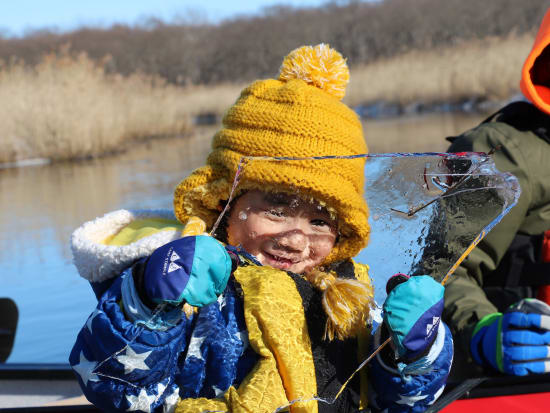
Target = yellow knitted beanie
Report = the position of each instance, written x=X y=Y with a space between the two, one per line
x=298 y=115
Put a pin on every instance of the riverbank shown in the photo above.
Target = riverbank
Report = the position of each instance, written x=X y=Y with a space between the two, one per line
x=477 y=76
x=462 y=78
x=70 y=108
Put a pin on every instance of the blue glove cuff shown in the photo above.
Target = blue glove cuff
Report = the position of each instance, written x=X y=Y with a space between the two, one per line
x=486 y=341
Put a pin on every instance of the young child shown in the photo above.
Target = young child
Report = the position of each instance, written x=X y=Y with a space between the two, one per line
x=278 y=315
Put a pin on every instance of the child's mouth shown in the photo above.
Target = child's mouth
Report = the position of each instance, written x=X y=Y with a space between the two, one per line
x=279 y=262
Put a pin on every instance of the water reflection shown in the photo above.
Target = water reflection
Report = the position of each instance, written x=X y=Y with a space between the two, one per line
x=417 y=134
x=41 y=206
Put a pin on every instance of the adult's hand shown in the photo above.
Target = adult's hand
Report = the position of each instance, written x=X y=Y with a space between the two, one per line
x=516 y=342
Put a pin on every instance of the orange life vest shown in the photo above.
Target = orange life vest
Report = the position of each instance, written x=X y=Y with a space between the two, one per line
x=538 y=94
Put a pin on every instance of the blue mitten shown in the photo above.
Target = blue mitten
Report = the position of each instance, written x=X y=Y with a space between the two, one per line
x=412 y=313
x=193 y=269
x=516 y=342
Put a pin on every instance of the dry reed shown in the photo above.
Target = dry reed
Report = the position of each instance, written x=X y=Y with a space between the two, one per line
x=67 y=107
x=486 y=68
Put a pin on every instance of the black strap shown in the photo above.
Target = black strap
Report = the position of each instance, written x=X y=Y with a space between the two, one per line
x=524 y=117
x=455 y=394
x=334 y=361
x=521 y=266
x=535 y=274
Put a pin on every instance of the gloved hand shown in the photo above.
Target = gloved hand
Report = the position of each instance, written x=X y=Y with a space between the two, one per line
x=516 y=342
x=193 y=269
x=412 y=313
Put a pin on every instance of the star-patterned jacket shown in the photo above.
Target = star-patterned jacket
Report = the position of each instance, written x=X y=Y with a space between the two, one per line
x=258 y=348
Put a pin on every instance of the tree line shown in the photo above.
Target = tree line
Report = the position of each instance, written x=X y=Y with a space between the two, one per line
x=245 y=48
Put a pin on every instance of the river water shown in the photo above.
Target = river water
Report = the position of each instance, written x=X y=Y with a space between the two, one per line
x=42 y=205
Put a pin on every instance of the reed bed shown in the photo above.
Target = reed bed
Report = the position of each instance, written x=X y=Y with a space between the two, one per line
x=485 y=68
x=67 y=107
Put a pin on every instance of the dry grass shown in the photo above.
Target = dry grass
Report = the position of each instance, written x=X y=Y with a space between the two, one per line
x=211 y=99
x=488 y=68
x=67 y=107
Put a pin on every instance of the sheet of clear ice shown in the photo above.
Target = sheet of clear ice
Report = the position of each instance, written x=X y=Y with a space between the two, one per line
x=425 y=209
x=463 y=196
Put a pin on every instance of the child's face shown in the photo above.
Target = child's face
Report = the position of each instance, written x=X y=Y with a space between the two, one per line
x=281 y=230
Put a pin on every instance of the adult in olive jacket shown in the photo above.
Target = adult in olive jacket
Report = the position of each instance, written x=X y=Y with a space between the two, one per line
x=507 y=266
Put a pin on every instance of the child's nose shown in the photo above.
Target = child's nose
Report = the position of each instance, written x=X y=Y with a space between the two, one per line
x=295 y=241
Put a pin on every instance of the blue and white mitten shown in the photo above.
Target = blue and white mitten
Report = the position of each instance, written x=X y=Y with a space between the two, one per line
x=192 y=269
x=412 y=376
x=412 y=313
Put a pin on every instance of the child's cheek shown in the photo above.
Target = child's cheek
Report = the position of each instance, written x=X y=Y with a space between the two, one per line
x=324 y=247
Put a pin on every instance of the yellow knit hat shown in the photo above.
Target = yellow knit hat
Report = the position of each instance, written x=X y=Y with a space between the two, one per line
x=298 y=115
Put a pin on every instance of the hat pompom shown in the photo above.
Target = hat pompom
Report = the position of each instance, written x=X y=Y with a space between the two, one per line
x=320 y=66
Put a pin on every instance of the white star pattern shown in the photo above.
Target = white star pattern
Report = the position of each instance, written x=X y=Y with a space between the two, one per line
x=217 y=392
x=91 y=318
x=140 y=402
x=171 y=401
x=410 y=400
x=243 y=337
x=195 y=347
x=133 y=360
x=85 y=369
x=437 y=394
x=160 y=389
x=221 y=301
x=132 y=309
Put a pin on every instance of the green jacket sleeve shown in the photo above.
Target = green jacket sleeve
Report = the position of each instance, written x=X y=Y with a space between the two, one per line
x=465 y=301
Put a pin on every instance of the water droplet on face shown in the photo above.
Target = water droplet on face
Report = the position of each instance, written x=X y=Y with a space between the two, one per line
x=253 y=235
x=243 y=216
x=294 y=203
x=319 y=207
